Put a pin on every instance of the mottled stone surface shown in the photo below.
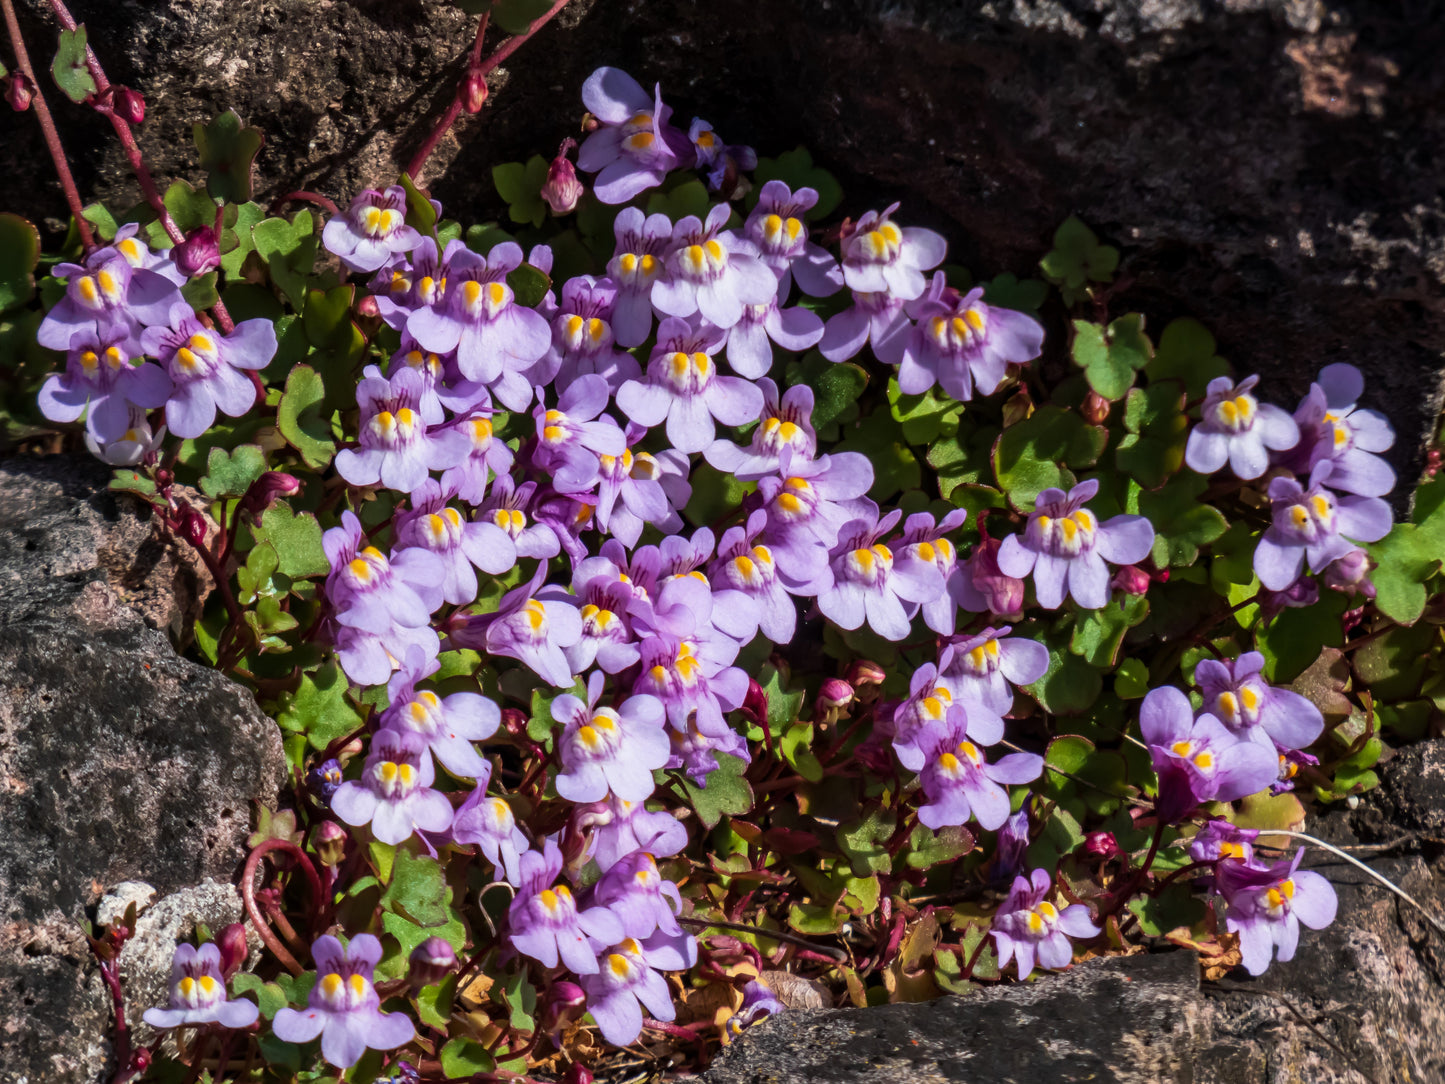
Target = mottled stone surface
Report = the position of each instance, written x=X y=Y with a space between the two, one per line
x=118 y=760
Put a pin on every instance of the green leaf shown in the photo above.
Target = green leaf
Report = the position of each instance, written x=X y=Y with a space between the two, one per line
x=1186 y=353
x=70 y=69
x=879 y=438
x=297 y=538
x=1078 y=258
x=1294 y=639
x=1181 y=523
x=690 y=198
x=230 y=474
x=530 y=285
x=714 y=495
x=1131 y=680
x=865 y=842
x=521 y=187
x=299 y=420
x=129 y=480
x=1157 y=430
x=417 y=890
x=236 y=240
x=189 y=207
x=420 y=214
x=727 y=793
x=1174 y=907
x=99 y=216
x=434 y=1003
x=1029 y=457
x=795 y=168
x=924 y=418
x=228 y=150
x=783 y=703
x=1407 y=558
x=1008 y=291
x=19 y=253
x=289 y=249
x=1111 y=356
x=1099 y=634
x=927 y=848
x=836 y=388
x=269 y=996
x=1069 y=686
x=319 y=707
x=200 y=291
x=463 y=1059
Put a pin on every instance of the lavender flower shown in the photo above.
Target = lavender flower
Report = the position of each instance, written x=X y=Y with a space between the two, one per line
x=615 y=990
x=485 y=453
x=462 y=545
x=959 y=784
x=963 y=343
x=100 y=374
x=372 y=231
x=870 y=585
x=983 y=668
x=808 y=503
x=569 y=440
x=784 y=424
x=1028 y=927
x=394 y=793
x=881 y=257
x=447 y=725
x=641 y=488
x=776 y=228
x=635 y=148
x=203 y=367
x=749 y=352
x=1266 y=907
x=1065 y=546
x=1237 y=428
x=198 y=993
x=544 y=920
x=1198 y=760
x=1236 y=693
x=1333 y=428
x=491 y=825
x=531 y=629
x=759 y=1003
x=407 y=285
x=507 y=506
x=636 y=264
x=130 y=447
x=139 y=255
x=916 y=719
x=878 y=318
x=684 y=389
x=582 y=337
x=747 y=594
x=639 y=896
x=604 y=750
x=619 y=828
x=343 y=1007
x=1219 y=839
x=923 y=540
x=105 y=298
x=1314 y=527
x=712 y=272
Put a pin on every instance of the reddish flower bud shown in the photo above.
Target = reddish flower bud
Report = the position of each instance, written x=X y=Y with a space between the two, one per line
x=755 y=703
x=18 y=91
x=430 y=962
x=514 y=721
x=1349 y=574
x=233 y=948
x=565 y=1005
x=198 y=253
x=140 y=1060
x=1003 y=594
x=833 y=698
x=267 y=489
x=1095 y=409
x=473 y=92
x=367 y=307
x=562 y=189
x=329 y=843
x=1101 y=845
x=862 y=672
x=164 y=478
x=1130 y=579
x=194 y=528
x=577 y=1073
x=128 y=105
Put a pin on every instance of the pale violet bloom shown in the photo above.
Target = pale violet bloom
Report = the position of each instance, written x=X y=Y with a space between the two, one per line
x=871 y=584
x=964 y=344
x=198 y=993
x=1314 y=527
x=372 y=231
x=883 y=257
x=1333 y=428
x=343 y=1007
x=1028 y=928
x=712 y=271
x=394 y=792
x=1266 y=907
x=605 y=750
x=749 y=352
x=777 y=228
x=983 y=668
x=785 y=424
x=1236 y=428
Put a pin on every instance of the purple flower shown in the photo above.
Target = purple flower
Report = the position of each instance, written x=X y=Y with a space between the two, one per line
x=603 y=750
x=720 y=162
x=684 y=389
x=432 y=525
x=394 y=793
x=582 y=338
x=747 y=595
x=468 y=479
x=1198 y=760
x=712 y=272
x=639 y=896
x=808 y=502
x=881 y=257
x=490 y=824
x=1013 y=843
x=693 y=692
x=641 y=488
x=923 y=540
x=635 y=147
x=404 y=286
x=776 y=228
x=372 y=230
x=961 y=342
x=983 y=668
x=507 y=506
x=620 y=828
x=871 y=585
x=203 y=365
x=1236 y=693
x=531 y=629
x=636 y=264
x=1314 y=527
x=1332 y=428
x=873 y=317
x=615 y=990
x=784 y=424
x=759 y=1003
x=1219 y=839
x=495 y=338
x=1266 y=907
x=923 y=714
x=1350 y=573
x=198 y=993
x=794 y=329
x=1237 y=428
x=544 y=920
x=1065 y=546
x=100 y=374
x=343 y=1007
x=108 y=298
x=959 y=784
x=1028 y=927
x=139 y=255
x=985 y=589
x=447 y=725
x=569 y=441
x=607 y=638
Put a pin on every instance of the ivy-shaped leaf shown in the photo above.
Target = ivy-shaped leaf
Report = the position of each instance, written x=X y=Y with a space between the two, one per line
x=1008 y=291
x=1069 y=686
x=70 y=69
x=299 y=421
x=1099 y=634
x=1110 y=357
x=530 y=284
x=1181 y=523
x=420 y=214
x=1077 y=259
x=1186 y=354
x=230 y=474
x=678 y=201
x=795 y=169
x=19 y=253
x=297 y=538
x=880 y=439
x=1156 y=431
x=727 y=793
x=1407 y=558
x=1030 y=456
x=864 y=842
x=417 y=890
x=319 y=707
x=289 y=249
x=228 y=151
x=520 y=186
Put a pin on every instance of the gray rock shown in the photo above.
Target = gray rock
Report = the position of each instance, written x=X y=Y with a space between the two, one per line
x=120 y=760
x=114 y=904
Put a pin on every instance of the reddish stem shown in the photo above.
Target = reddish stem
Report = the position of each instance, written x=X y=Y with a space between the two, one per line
x=122 y=129
x=248 y=896
x=326 y=203
x=110 y=973
x=47 y=128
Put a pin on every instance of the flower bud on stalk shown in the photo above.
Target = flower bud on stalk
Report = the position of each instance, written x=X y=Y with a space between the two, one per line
x=430 y=962
x=1004 y=594
x=862 y=672
x=129 y=105
x=473 y=92
x=1095 y=409
x=564 y=1006
x=514 y=721
x=18 y=91
x=329 y=843
x=1131 y=579
x=755 y=703
x=234 y=948
x=833 y=699
x=577 y=1074
x=562 y=189
x=267 y=489
x=198 y=253
x=194 y=528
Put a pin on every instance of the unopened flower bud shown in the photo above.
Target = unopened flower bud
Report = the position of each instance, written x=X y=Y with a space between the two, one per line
x=329 y=843
x=368 y=307
x=1095 y=409
x=565 y=1005
x=194 y=528
x=577 y=1073
x=863 y=672
x=1350 y=573
x=514 y=721
x=267 y=489
x=324 y=779
x=755 y=703
x=140 y=1060
x=1304 y=592
x=1003 y=594
x=473 y=92
x=198 y=253
x=562 y=189
x=1101 y=845
x=19 y=91
x=430 y=962
x=164 y=478
x=128 y=105
x=833 y=698
x=1130 y=579
x=233 y=948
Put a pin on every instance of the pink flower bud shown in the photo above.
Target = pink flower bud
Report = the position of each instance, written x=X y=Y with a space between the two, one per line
x=19 y=91
x=755 y=703
x=329 y=843
x=430 y=962
x=1130 y=579
x=198 y=253
x=1101 y=845
x=1003 y=594
x=514 y=721
x=577 y=1073
x=233 y=948
x=833 y=698
x=565 y=1005
x=1095 y=409
x=267 y=489
x=128 y=105
x=473 y=92
x=1349 y=574
x=368 y=307
x=563 y=189
x=862 y=672
x=194 y=528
